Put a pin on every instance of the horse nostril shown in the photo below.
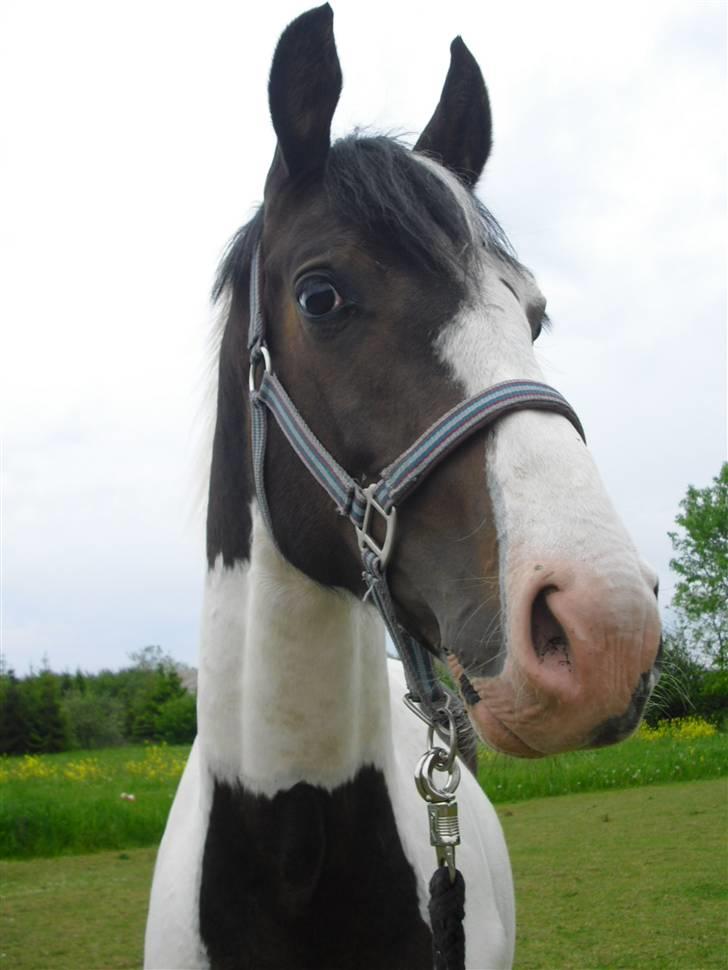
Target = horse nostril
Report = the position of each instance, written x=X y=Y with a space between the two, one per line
x=656 y=589
x=547 y=634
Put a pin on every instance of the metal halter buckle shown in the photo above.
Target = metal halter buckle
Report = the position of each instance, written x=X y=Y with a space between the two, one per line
x=364 y=537
x=442 y=808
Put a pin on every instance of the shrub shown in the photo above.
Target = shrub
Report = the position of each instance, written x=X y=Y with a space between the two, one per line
x=713 y=698
x=95 y=720
x=681 y=729
x=679 y=686
x=176 y=721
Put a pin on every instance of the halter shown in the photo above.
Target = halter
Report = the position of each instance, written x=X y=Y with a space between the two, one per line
x=381 y=499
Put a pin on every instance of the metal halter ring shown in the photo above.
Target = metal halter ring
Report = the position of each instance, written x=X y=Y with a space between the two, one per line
x=258 y=352
x=436 y=760
x=451 y=740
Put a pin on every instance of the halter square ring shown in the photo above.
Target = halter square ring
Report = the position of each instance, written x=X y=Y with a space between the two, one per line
x=363 y=534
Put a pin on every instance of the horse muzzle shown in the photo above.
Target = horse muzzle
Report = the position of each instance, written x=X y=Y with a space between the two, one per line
x=581 y=660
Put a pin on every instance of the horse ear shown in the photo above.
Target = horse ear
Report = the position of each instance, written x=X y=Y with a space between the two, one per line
x=459 y=134
x=303 y=91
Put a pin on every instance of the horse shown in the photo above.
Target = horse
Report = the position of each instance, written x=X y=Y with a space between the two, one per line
x=390 y=297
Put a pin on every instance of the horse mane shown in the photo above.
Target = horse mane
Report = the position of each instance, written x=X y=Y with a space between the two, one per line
x=235 y=263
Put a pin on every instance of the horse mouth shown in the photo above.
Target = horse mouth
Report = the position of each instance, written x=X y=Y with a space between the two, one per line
x=490 y=728
x=500 y=737
x=549 y=644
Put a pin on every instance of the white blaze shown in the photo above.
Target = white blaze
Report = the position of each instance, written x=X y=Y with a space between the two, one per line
x=548 y=498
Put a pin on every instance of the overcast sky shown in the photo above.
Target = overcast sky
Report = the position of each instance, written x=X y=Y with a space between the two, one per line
x=136 y=139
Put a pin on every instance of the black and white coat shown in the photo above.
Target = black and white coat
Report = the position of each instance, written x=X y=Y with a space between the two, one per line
x=298 y=795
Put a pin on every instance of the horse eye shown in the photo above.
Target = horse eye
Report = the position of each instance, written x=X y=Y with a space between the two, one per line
x=317 y=296
x=538 y=320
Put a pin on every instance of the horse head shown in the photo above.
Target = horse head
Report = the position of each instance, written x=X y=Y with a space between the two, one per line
x=391 y=295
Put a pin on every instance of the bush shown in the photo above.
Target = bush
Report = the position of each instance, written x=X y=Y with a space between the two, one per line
x=680 y=684
x=681 y=729
x=95 y=720
x=161 y=686
x=713 y=698
x=176 y=722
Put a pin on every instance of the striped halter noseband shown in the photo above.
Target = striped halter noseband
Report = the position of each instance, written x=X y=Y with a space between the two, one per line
x=382 y=498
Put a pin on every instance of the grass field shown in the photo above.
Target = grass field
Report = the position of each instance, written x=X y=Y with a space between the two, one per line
x=683 y=753
x=623 y=880
x=71 y=803
x=620 y=879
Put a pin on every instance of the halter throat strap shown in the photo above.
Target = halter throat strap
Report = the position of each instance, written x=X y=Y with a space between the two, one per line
x=381 y=499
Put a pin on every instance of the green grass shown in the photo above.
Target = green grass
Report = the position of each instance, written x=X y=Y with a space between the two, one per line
x=49 y=816
x=624 y=879
x=632 y=764
x=84 y=912
x=59 y=816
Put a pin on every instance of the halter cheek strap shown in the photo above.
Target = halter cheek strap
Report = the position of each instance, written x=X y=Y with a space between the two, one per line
x=380 y=500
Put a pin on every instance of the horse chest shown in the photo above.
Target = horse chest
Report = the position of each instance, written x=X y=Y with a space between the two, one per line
x=309 y=879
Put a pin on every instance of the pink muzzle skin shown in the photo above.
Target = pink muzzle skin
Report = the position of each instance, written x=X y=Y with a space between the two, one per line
x=581 y=652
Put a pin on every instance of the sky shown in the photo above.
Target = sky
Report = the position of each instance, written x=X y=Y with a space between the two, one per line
x=136 y=139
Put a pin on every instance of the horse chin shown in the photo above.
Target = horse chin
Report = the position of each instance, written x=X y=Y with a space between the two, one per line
x=491 y=728
x=513 y=717
x=497 y=735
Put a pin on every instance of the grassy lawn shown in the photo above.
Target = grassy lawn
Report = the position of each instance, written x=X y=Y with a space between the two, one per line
x=621 y=879
x=71 y=803
x=632 y=764
x=625 y=879
x=75 y=913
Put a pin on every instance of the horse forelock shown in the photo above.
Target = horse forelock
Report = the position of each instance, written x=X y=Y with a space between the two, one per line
x=401 y=199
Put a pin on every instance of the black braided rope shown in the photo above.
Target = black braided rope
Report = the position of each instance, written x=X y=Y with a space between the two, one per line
x=447 y=911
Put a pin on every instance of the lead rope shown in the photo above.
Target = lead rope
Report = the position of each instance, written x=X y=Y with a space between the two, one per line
x=447 y=886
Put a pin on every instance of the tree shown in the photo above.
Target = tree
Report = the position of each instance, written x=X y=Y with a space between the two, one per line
x=151 y=657
x=14 y=719
x=161 y=686
x=49 y=726
x=176 y=721
x=94 y=720
x=701 y=562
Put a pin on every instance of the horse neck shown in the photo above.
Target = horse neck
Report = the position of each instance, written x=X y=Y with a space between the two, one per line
x=293 y=683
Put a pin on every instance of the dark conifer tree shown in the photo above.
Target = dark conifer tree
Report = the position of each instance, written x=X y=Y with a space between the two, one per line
x=14 y=719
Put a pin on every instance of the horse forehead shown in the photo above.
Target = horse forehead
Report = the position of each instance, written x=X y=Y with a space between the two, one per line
x=304 y=227
x=310 y=242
